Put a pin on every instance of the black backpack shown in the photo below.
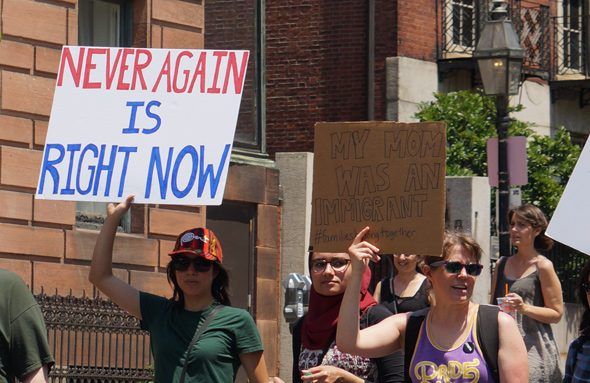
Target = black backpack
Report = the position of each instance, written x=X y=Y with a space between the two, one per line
x=488 y=340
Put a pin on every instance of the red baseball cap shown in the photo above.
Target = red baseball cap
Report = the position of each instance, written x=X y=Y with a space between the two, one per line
x=199 y=241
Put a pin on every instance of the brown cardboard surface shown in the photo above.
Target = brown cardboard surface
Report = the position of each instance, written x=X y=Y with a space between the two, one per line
x=389 y=176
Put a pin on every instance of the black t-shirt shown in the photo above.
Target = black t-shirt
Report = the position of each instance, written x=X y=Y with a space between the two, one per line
x=397 y=304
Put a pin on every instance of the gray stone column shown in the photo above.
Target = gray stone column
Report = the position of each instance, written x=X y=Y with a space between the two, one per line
x=409 y=82
x=468 y=207
x=296 y=176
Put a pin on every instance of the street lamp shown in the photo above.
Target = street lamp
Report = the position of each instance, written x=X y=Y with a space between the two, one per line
x=499 y=56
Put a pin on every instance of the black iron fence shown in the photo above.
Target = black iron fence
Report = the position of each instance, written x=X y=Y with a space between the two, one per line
x=94 y=341
x=533 y=25
x=461 y=25
x=568 y=263
x=463 y=20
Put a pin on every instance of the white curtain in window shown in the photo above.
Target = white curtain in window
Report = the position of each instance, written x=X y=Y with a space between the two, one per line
x=99 y=23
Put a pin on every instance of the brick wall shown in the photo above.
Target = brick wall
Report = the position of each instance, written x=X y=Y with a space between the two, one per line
x=175 y=24
x=315 y=68
x=231 y=25
x=386 y=44
x=418 y=24
x=316 y=61
x=33 y=232
x=39 y=239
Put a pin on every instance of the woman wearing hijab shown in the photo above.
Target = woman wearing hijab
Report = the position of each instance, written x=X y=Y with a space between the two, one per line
x=316 y=357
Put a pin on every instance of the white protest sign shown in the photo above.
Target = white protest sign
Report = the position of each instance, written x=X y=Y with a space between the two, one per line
x=570 y=224
x=157 y=123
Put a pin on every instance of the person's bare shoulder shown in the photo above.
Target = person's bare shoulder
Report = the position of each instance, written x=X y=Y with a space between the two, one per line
x=544 y=263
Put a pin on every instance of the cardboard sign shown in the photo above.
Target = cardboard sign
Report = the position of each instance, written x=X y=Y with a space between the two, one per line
x=570 y=224
x=386 y=175
x=157 y=123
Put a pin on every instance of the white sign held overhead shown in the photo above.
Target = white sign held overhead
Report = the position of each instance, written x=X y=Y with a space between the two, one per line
x=569 y=224
x=157 y=123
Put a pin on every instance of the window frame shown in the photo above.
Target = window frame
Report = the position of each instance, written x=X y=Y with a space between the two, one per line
x=564 y=50
x=450 y=30
x=253 y=150
x=125 y=21
x=86 y=219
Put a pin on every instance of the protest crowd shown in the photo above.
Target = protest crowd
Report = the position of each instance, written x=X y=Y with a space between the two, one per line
x=379 y=192
x=423 y=326
x=420 y=324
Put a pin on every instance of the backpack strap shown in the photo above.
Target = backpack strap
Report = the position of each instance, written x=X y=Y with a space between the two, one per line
x=489 y=340
x=296 y=347
x=412 y=330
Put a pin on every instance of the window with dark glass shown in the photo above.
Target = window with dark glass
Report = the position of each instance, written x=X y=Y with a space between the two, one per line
x=463 y=31
x=106 y=23
x=238 y=25
x=572 y=34
x=460 y=24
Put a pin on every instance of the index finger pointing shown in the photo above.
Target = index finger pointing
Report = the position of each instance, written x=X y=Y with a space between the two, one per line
x=359 y=237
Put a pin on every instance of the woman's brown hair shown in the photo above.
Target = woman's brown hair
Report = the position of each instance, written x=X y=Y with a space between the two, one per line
x=535 y=217
x=456 y=238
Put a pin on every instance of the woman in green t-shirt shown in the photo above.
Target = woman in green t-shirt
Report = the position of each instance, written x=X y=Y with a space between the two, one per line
x=200 y=285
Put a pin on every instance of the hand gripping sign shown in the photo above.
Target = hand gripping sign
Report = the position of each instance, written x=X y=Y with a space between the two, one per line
x=157 y=123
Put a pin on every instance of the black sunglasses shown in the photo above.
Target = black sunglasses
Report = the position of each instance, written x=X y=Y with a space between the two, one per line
x=183 y=263
x=473 y=269
x=586 y=287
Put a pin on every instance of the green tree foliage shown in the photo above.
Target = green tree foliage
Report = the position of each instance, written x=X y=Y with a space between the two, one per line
x=470 y=122
x=551 y=161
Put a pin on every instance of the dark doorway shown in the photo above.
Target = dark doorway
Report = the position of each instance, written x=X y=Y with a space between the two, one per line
x=232 y=225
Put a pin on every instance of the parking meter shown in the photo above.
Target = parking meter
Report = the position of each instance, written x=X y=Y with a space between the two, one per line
x=294 y=297
x=306 y=289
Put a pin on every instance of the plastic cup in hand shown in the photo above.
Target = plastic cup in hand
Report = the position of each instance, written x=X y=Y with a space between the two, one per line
x=504 y=306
